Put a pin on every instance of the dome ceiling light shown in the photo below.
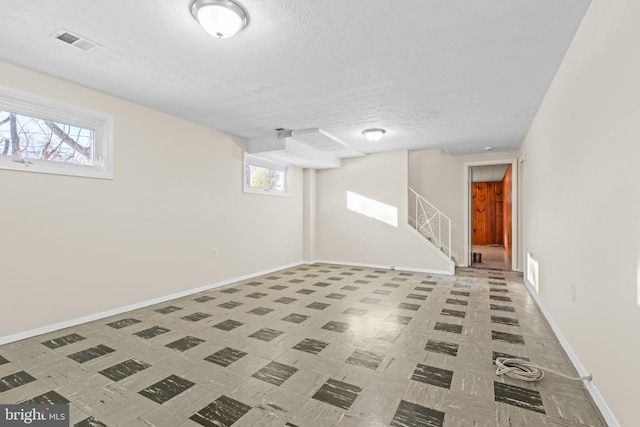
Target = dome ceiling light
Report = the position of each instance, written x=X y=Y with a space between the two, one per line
x=220 y=18
x=374 y=135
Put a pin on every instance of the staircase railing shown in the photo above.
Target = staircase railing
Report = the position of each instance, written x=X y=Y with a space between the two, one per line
x=430 y=222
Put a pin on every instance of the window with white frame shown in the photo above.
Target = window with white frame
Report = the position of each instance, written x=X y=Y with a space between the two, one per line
x=42 y=135
x=265 y=177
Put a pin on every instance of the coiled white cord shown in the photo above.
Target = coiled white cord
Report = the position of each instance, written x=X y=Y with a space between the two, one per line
x=527 y=371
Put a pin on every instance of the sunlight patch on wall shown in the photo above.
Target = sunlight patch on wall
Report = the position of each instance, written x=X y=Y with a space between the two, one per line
x=532 y=272
x=372 y=208
x=638 y=284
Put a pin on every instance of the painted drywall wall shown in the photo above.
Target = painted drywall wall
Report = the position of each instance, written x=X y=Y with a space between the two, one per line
x=75 y=246
x=310 y=209
x=347 y=236
x=581 y=200
x=439 y=178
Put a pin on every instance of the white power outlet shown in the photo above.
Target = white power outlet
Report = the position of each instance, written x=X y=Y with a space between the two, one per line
x=574 y=292
x=364 y=242
x=214 y=253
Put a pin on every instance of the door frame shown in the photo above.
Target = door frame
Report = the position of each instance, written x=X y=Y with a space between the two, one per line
x=515 y=237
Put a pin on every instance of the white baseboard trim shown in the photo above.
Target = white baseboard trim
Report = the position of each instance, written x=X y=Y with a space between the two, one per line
x=352 y=264
x=424 y=270
x=382 y=267
x=606 y=412
x=113 y=312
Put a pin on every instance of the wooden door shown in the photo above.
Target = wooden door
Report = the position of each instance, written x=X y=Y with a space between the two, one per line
x=487 y=213
x=508 y=204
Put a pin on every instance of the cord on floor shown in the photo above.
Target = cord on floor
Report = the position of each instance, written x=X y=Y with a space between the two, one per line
x=527 y=371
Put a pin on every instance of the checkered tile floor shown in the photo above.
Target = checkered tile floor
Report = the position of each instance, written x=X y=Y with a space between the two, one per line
x=319 y=345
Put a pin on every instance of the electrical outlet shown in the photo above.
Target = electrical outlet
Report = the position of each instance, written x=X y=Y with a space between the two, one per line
x=214 y=253
x=574 y=292
x=364 y=242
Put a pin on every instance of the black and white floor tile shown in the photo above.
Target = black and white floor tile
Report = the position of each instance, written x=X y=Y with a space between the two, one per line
x=317 y=345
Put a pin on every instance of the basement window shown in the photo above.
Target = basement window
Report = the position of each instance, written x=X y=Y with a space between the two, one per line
x=44 y=136
x=265 y=177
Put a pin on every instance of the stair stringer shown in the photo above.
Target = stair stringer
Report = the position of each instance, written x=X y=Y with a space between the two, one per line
x=451 y=265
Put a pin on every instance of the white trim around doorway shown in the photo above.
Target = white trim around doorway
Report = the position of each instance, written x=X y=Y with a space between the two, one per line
x=515 y=237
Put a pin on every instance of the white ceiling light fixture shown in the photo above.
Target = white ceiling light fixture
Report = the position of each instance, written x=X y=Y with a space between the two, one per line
x=220 y=18
x=374 y=135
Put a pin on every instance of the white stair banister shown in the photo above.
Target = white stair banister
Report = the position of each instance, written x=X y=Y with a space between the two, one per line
x=430 y=222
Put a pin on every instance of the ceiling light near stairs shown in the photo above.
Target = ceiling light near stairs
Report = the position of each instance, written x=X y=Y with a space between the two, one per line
x=374 y=135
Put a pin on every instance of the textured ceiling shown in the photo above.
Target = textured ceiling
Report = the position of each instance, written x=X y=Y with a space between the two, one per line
x=488 y=173
x=461 y=75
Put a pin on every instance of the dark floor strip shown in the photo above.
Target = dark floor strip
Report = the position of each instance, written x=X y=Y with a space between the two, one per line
x=337 y=393
x=49 y=398
x=166 y=389
x=124 y=369
x=62 y=341
x=91 y=353
x=224 y=411
x=518 y=396
x=413 y=415
x=15 y=380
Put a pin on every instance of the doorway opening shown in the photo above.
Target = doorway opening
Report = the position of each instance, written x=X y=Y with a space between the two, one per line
x=491 y=220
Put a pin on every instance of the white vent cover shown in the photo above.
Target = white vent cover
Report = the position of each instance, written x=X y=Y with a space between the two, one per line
x=75 y=40
x=323 y=141
x=318 y=139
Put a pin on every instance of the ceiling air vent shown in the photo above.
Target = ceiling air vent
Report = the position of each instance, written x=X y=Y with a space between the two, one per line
x=75 y=40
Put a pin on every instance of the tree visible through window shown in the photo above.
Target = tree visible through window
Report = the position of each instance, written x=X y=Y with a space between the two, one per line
x=263 y=176
x=27 y=137
x=42 y=135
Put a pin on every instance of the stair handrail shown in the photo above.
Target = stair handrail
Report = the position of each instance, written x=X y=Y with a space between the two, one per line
x=429 y=221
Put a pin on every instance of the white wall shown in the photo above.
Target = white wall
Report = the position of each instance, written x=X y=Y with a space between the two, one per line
x=439 y=178
x=582 y=203
x=71 y=247
x=381 y=177
x=310 y=211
